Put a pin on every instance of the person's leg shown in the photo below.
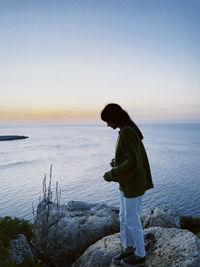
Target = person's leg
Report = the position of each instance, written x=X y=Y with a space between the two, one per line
x=126 y=238
x=121 y=219
x=133 y=224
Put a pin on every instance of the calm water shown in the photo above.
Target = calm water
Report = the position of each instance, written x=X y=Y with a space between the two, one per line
x=80 y=154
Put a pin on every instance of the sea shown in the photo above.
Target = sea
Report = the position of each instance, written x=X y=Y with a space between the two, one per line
x=80 y=155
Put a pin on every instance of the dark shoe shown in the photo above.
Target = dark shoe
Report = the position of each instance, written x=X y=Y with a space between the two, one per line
x=122 y=255
x=133 y=260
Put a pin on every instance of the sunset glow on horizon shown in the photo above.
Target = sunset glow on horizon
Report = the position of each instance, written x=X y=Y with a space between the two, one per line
x=65 y=60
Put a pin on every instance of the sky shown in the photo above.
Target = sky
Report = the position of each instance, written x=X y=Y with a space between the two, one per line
x=65 y=60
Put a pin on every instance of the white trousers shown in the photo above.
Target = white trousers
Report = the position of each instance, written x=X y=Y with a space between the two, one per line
x=130 y=224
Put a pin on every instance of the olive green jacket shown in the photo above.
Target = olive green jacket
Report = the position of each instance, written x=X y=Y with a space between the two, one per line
x=132 y=170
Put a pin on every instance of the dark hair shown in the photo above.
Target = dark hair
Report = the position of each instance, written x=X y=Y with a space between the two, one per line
x=114 y=113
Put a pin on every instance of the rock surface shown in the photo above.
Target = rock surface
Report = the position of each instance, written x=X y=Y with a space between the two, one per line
x=164 y=216
x=172 y=247
x=166 y=247
x=19 y=249
x=64 y=232
x=11 y=137
x=100 y=253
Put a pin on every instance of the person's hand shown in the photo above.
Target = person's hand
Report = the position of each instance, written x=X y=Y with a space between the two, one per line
x=112 y=163
x=107 y=177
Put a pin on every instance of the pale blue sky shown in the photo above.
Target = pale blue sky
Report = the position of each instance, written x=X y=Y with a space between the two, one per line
x=63 y=59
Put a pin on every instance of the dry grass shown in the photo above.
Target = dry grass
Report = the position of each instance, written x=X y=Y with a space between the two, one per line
x=41 y=222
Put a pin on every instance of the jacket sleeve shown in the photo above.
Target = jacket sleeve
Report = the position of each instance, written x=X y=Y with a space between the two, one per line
x=130 y=155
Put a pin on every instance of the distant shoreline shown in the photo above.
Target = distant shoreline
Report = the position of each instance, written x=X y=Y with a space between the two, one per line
x=11 y=137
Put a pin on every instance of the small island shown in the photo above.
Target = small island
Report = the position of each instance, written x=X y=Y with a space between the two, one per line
x=11 y=137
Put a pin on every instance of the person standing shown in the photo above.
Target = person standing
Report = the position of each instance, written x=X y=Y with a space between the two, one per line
x=130 y=168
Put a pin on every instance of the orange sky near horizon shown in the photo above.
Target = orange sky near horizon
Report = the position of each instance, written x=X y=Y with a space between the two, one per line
x=46 y=114
x=143 y=113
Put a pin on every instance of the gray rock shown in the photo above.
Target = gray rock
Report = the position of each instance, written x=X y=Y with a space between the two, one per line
x=19 y=249
x=100 y=254
x=165 y=216
x=64 y=232
x=172 y=247
x=165 y=247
